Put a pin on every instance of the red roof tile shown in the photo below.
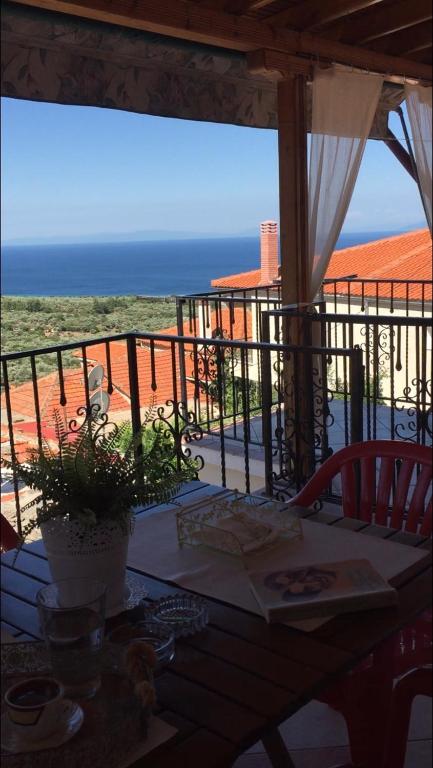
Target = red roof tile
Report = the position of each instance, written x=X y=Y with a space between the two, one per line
x=242 y=280
x=403 y=257
x=23 y=402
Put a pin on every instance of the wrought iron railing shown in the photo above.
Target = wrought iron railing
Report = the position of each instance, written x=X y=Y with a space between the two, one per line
x=262 y=393
x=366 y=295
x=389 y=320
x=397 y=362
x=245 y=410
x=240 y=308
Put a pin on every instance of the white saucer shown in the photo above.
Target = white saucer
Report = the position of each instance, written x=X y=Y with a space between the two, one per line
x=71 y=723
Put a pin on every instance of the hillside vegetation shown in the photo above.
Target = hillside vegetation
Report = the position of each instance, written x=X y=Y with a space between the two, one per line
x=32 y=323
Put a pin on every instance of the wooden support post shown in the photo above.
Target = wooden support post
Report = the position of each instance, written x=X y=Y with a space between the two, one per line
x=295 y=268
x=292 y=154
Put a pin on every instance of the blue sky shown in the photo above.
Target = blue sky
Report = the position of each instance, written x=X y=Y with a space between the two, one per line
x=70 y=171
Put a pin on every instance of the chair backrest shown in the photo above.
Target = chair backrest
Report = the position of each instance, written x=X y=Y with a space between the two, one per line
x=385 y=481
x=9 y=538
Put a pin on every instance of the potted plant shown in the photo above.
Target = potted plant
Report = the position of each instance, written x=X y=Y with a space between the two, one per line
x=89 y=486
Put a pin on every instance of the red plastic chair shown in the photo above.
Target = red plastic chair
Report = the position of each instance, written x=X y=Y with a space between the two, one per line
x=9 y=538
x=386 y=499
x=417 y=682
x=391 y=495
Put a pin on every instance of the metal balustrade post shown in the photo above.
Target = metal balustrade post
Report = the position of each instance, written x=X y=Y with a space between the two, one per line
x=266 y=396
x=134 y=391
x=181 y=355
x=15 y=478
x=356 y=374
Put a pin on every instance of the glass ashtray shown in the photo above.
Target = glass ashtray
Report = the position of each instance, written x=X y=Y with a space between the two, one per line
x=151 y=631
x=184 y=614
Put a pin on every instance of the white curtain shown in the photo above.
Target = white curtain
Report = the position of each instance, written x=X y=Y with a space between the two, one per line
x=344 y=105
x=419 y=107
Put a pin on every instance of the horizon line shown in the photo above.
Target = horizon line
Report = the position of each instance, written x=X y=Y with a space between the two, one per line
x=125 y=238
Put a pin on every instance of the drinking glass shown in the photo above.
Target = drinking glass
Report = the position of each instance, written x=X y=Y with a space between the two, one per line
x=72 y=616
x=156 y=634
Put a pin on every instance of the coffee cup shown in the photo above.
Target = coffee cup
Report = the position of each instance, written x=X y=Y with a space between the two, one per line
x=35 y=707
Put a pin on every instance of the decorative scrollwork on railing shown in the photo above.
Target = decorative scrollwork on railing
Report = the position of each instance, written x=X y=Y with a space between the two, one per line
x=98 y=422
x=378 y=347
x=414 y=407
x=214 y=374
x=179 y=428
x=301 y=443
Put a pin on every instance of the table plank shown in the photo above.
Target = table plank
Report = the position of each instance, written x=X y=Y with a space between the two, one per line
x=288 y=674
x=20 y=614
x=201 y=749
x=242 y=686
x=209 y=709
x=24 y=588
x=9 y=629
x=351 y=524
x=326 y=517
x=29 y=564
x=358 y=633
x=410 y=539
x=283 y=641
x=379 y=531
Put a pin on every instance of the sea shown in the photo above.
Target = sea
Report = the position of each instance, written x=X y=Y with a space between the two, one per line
x=150 y=268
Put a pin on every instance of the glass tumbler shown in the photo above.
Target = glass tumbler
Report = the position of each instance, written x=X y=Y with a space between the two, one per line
x=154 y=633
x=72 y=617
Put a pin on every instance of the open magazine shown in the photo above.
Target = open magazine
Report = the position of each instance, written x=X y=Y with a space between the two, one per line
x=323 y=589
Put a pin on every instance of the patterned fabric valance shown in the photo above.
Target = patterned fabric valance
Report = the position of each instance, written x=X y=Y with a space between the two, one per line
x=68 y=60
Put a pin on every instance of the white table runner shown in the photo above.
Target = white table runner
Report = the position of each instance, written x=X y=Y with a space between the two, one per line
x=154 y=549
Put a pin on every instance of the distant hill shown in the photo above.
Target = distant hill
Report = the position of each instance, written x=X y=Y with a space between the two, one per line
x=154 y=235
x=126 y=237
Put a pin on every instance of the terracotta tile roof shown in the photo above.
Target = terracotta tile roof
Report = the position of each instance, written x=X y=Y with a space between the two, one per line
x=24 y=441
x=403 y=257
x=155 y=371
x=243 y=280
x=157 y=380
x=23 y=403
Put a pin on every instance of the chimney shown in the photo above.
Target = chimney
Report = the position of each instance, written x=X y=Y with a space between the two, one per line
x=268 y=252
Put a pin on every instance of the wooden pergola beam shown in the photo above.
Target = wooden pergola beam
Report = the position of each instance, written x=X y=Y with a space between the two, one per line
x=278 y=64
x=252 y=5
x=400 y=153
x=413 y=39
x=379 y=22
x=314 y=13
x=424 y=55
x=190 y=21
x=237 y=6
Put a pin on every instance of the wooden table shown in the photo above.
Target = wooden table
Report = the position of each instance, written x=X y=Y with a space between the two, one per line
x=232 y=684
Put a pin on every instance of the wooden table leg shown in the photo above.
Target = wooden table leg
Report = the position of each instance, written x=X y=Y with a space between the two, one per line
x=276 y=750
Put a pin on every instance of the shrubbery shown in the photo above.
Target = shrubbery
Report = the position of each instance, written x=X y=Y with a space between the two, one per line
x=57 y=320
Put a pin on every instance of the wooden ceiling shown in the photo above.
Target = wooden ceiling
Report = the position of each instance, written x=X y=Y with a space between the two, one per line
x=390 y=36
x=398 y=27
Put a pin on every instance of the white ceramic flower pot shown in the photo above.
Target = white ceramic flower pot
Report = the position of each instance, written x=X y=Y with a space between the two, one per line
x=75 y=551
